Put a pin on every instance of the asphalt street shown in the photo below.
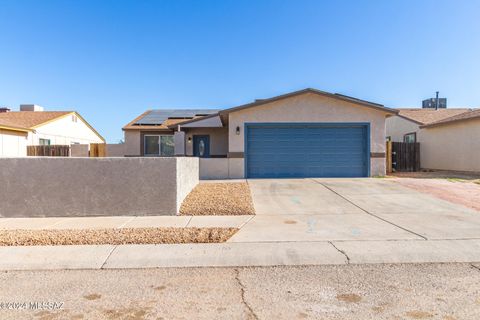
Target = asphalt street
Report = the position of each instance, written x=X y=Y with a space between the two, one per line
x=370 y=291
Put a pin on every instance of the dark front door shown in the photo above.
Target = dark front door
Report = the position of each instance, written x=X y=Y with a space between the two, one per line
x=201 y=146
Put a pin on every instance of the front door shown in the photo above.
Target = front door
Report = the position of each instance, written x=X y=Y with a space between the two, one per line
x=201 y=146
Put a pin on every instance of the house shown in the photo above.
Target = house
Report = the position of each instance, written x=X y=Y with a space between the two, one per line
x=306 y=133
x=34 y=126
x=452 y=143
x=405 y=126
x=449 y=138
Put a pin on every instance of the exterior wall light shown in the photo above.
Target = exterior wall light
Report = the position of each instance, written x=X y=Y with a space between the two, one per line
x=189 y=139
x=237 y=130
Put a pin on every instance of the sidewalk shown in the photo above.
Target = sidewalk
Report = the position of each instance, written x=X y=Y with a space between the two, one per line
x=123 y=222
x=238 y=254
x=261 y=241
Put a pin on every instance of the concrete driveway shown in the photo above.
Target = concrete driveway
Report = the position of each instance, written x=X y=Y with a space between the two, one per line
x=352 y=209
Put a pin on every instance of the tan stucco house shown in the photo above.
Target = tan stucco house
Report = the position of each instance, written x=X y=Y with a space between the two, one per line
x=404 y=127
x=449 y=138
x=306 y=133
x=34 y=126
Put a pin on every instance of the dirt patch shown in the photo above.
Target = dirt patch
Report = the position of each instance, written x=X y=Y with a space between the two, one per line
x=349 y=297
x=114 y=236
x=455 y=190
x=290 y=222
x=218 y=199
x=419 y=314
x=93 y=296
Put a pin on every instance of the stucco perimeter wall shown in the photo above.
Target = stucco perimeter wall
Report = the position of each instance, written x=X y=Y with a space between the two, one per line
x=221 y=168
x=397 y=127
x=44 y=186
x=454 y=146
x=311 y=107
x=187 y=177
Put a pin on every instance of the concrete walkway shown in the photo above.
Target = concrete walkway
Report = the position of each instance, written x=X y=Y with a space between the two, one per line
x=123 y=222
x=298 y=222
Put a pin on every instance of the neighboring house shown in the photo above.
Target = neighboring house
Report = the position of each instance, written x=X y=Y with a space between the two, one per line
x=449 y=138
x=306 y=133
x=405 y=126
x=452 y=143
x=33 y=126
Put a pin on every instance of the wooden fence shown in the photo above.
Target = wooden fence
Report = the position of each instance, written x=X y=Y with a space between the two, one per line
x=97 y=150
x=402 y=156
x=49 y=151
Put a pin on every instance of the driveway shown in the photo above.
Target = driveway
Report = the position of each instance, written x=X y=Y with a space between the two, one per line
x=352 y=209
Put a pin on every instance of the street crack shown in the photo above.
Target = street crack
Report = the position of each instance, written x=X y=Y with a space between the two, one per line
x=242 y=290
x=341 y=251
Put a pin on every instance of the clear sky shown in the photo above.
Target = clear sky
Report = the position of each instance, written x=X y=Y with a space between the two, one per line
x=112 y=60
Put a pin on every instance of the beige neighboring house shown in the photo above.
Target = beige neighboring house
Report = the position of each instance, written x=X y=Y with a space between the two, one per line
x=34 y=126
x=306 y=133
x=449 y=138
x=405 y=126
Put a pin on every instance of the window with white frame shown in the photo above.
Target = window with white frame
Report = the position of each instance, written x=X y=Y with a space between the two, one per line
x=158 y=145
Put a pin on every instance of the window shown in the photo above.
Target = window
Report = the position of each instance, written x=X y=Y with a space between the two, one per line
x=74 y=118
x=410 y=137
x=155 y=145
x=44 y=142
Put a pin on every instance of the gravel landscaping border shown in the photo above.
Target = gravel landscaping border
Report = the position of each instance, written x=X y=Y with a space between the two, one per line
x=114 y=236
x=230 y=198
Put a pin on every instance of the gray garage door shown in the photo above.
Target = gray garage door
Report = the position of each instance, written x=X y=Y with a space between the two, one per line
x=278 y=150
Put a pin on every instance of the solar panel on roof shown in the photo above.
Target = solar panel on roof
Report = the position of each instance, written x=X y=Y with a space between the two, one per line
x=157 y=117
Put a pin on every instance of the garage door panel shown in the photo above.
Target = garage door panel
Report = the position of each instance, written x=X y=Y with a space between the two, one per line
x=300 y=150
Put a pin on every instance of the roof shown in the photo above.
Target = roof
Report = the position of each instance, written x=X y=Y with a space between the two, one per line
x=30 y=120
x=426 y=116
x=337 y=96
x=472 y=114
x=161 y=119
x=192 y=115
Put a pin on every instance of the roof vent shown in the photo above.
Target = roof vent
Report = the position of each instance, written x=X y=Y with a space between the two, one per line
x=435 y=103
x=30 y=107
x=4 y=109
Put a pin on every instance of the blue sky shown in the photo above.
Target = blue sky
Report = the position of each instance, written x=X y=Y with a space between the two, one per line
x=112 y=60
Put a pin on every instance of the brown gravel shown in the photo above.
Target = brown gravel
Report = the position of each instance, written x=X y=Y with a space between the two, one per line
x=218 y=199
x=114 y=236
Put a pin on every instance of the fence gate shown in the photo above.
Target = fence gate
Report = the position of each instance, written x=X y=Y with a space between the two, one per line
x=97 y=150
x=405 y=156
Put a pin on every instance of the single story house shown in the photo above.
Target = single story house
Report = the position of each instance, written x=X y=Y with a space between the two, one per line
x=306 y=133
x=33 y=126
x=404 y=127
x=449 y=138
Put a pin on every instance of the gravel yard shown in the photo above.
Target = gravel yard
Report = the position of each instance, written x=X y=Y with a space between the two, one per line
x=114 y=236
x=218 y=199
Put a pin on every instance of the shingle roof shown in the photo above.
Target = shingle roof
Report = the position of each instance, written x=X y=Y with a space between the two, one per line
x=426 y=116
x=473 y=114
x=29 y=119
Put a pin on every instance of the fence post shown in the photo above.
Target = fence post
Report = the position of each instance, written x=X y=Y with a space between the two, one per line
x=389 y=156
